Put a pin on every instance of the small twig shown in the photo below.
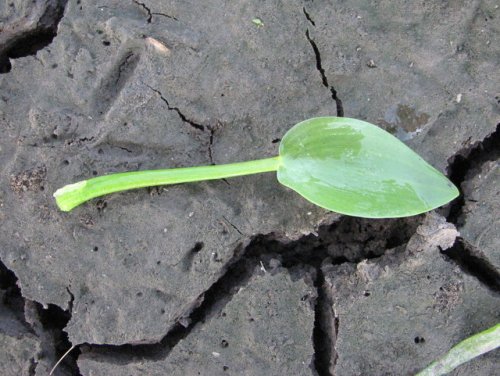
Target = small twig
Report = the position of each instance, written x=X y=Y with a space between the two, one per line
x=60 y=360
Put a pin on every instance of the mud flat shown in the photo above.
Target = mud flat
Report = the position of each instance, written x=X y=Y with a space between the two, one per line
x=159 y=280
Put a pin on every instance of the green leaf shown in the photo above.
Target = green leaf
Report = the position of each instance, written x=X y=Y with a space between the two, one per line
x=258 y=22
x=356 y=168
x=341 y=164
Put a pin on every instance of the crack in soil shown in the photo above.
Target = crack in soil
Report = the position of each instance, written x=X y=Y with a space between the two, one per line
x=48 y=325
x=321 y=70
x=348 y=240
x=308 y=16
x=323 y=333
x=335 y=354
x=148 y=11
x=237 y=274
x=465 y=164
x=232 y=225
x=71 y=299
x=53 y=320
x=183 y=117
x=210 y=128
x=151 y=13
x=165 y=15
x=210 y=144
x=26 y=36
x=472 y=262
x=462 y=167
x=12 y=298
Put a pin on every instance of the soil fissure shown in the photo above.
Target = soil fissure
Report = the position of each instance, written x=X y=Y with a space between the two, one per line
x=183 y=117
x=462 y=167
x=46 y=323
x=465 y=164
x=321 y=70
x=347 y=240
x=150 y=13
x=23 y=37
x=471 y=261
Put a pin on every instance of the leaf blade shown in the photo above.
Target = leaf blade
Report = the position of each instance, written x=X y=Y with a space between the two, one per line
x=355 y=168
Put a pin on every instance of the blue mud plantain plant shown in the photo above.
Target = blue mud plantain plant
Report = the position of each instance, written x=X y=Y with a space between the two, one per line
x=344 y=165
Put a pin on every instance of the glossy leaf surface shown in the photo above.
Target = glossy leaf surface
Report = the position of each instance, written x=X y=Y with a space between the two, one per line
x=356 y=168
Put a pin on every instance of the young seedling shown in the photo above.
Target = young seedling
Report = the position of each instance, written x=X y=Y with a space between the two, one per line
x=258 y=22
x=344 y=165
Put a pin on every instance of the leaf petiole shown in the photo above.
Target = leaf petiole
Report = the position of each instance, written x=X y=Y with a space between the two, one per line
x=72 y=195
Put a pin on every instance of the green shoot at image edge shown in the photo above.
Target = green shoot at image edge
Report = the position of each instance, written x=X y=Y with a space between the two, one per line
x=344 y=165
x=468 y=349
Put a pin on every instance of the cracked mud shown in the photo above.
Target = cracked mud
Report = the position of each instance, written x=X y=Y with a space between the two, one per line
x=240 y=276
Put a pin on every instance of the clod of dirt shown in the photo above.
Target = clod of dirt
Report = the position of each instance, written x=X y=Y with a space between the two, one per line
x=397 y=313
x=264 y=330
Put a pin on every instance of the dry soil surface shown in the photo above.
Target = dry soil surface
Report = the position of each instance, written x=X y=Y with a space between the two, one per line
x=240 y=276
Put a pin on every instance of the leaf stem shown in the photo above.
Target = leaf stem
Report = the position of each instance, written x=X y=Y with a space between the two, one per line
x=72 y=195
